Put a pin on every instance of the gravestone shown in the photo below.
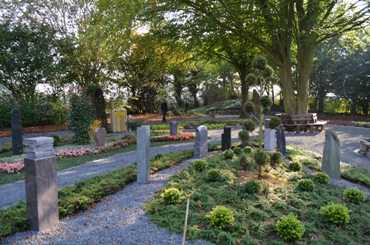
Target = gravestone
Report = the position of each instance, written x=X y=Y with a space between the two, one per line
x=41 y=183
x=16 y=124
x=280 y=140
x=143 y=154
x=331 y=156
x=201 y=142
x=173 y=128
x=269 y=139
x=226 y=139
x=100 y=135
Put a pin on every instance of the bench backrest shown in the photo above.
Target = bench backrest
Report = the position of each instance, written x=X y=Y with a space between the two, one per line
x=294 y=119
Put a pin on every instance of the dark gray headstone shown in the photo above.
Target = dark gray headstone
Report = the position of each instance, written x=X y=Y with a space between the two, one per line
x=41 y=183
x=280 y=140
x=201 y=142
x=226 y=139
x=331 y=156
x=16 y=124
x=173 y=128
x=256 y=100
x=100 y=135
x=143 y=154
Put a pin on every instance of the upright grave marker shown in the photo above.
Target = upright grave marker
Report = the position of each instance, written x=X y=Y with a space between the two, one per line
x=173 y=128
x=269 y=137
x=331 y=156
x=100 y=135
x=280 y=140
x=201 y=142
x=143 y=154
x=16 y=124
x=41 y=183
x=226 y=139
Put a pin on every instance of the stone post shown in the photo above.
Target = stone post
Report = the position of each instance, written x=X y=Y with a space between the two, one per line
x=280 y=140
x=173 y=128
x=41 y=183
x=201 y=142
x=16 y=124
x=268 y=137
x=143 y=154
x=331 y=156
x=100 y=135
x=226 y=139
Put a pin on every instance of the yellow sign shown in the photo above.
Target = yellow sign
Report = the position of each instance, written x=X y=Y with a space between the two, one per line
x=119 y=113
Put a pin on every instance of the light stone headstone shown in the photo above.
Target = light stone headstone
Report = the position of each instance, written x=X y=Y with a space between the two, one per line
x=331 y=156
x=201 y=142
x=280 y=140
x=41 y=183
x=143 y=154
x=173 y=128
x=269 y=139
x=16 y=124
x=100 y=135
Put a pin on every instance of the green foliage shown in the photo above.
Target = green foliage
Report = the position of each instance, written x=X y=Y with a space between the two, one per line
x=306 y=185
x=134 y=124
x=253 y=187
x=259 y=62
x=261 y=157
x=238 y=151
x=276 y=159
x=56 y=139
x=248 y=150
x=354 y=195
x=243 y=135
x=98 y=102
x=80 y=119
x=13 y=219
x=228 y=154
x=336 y=213
x=295 y=166
x=172 y=196
x=200 y=165
x=266 y=101
x=322 y=178
x=244 y=162
x=289 y=228
x=214 y=175
x=249 y=125
x=249 y=107
x=221 y=217
x=275 y=122
x=158 y=156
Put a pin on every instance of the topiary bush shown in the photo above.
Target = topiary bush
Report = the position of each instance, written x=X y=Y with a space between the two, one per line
x=238 y=151
x=243 y=135
x=249 y=125
x=289 y=228
x=252 y=187
x=306 y=185
x=221 y=217
x=214 y=175
x=248 y=150
x=172 y=196
x=275 y=122
x=228 y=154
x=244 y=162
x=200 y=165
x=322 y=178
x=276 y=159
x=259 y=62
x=336 y=213
x=249 y=107
x=354 y=195
x=266 y=101
x=261 y=157
x=294 y=166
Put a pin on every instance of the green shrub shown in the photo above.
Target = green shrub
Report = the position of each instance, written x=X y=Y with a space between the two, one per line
x=214 y=175
x=221 y=217
x=228 y=154
x=244 y=162
x=249 y=125
x=336 y=213
x=252 y=187
x=80 y=119
x=56 y=139
x=322 y=178
x=98 y=104
x=259 y=62
x=134 y=124
x=158 y=156
x=248 y=150
x=243 y=135
x=354 y=195
x=274 y=122
x=128 y=137
x=276 y=159
x=306 y=185
x=289 y=228
x=266 y=101
x=295 y=166
x=172 y=196
x=261 y=157
x=249 y=107
x=13 y=219
x=200 y=165
x=237 y=151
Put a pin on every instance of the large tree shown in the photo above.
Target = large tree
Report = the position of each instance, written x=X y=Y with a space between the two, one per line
x=287 y=31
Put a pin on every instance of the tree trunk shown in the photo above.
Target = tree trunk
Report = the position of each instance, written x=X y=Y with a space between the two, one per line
x=289 y=100
x=245 y=88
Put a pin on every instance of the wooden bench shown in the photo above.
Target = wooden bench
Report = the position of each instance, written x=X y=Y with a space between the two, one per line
x=300 y=122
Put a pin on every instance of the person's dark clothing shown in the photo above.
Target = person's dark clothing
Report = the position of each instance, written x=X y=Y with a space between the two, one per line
x=164 y=111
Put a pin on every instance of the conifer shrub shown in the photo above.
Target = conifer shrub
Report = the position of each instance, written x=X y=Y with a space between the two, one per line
x=249 y=125
x=306 y=185
x=354 y=195
x=172 y=196
x=243 y=135
x=220 y=217
x=238 y=151
x=276 y=159
x=322 y=178
x=248 y=150
x=261 y=157
x=56 y=139
x=266 y=101
x=252 y=187
x=336 y=213
x=295 y=167
x=249 y=107
x=275 y=122
x=244 y=162
x=200 y=165
x=289 y=228
x=214 y=175
x=228 y=154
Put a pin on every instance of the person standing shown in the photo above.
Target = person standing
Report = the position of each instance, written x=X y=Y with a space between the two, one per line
x=164 y=109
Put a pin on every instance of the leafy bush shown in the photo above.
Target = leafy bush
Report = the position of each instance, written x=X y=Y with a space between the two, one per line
x=336 y=213
x=134 y=124
x=266 y=101
x=252 y=187
x=289 y=228
x=13 y=219
x=56 y=139
x=276 y=159
x=249 y=107
x=354 y=195
x=244 y=162
x=322 y=178
x=158 y=156
x=248 y=150
x=295 y=166
x=214 y=175
x=237 y=151
x=172 y=196
x=228 y=154
x=243 y=135
x=200 y=165
x=306 y=185
x=249 y=125
x=98 y=104
x=259 y=62
x=221 y=217
x=261 y=157
x=274 y=122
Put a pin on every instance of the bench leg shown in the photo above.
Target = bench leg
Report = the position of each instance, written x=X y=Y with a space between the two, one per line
x=298 y=130
x=311 y=129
